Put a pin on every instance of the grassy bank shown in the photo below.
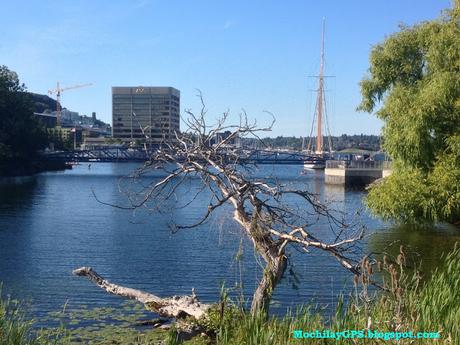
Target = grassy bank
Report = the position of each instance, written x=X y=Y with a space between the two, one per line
x=16 y=329
x=407 y=305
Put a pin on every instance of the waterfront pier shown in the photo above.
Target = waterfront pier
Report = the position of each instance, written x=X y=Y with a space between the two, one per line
x=355 y=173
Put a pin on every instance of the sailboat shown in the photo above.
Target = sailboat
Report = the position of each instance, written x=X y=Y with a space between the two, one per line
x=317 y=159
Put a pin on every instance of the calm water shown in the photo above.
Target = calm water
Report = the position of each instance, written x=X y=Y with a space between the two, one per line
x=51 y=224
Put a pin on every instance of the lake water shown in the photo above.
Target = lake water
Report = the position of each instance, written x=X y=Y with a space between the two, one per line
x=52 y=223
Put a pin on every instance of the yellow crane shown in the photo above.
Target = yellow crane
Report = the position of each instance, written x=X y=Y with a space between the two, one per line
x=57 y=91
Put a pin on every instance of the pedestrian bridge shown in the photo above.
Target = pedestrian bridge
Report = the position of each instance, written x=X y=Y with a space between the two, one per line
x=122 y=154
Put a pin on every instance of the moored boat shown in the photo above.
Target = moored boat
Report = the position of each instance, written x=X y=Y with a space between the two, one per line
x=319 y=155
x=319 y=163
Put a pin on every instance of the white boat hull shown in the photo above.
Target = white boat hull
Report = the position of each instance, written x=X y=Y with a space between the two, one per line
x=314 y=165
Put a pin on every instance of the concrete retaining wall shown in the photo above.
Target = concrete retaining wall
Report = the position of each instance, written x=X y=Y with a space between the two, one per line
x=352 y=176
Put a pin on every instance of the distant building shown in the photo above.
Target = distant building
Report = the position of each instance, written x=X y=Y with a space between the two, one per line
x=90 y=143
x=68 y=116
x=145 y=113
x=221 y=136
x=66 y=137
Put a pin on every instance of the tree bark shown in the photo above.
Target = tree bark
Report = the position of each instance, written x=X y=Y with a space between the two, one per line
x=273 y=273
x=175 y=306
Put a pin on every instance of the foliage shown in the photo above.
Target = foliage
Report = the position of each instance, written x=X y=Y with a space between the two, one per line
x=16 y=329
x=344 y=141
x=415 y=78
x=43 y=103
x=20 y=133
x=219 y=315
x=407 y=305
x=403 y=196
x=438 y=302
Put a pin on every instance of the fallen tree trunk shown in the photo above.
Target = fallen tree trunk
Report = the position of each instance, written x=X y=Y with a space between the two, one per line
x=175 y=306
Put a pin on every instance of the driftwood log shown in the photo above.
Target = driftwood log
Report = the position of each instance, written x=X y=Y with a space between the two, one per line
x=173 y=307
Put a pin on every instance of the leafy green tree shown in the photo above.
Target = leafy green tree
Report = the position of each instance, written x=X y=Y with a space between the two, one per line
x=414 y=84
x=20 y=133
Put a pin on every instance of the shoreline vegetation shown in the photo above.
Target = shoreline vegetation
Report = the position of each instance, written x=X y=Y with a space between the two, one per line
x=413 y=86
x=20 y=168
x=406 y=304
x=21 y=134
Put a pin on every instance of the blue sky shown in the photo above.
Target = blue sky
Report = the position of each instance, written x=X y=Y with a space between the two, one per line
x=252 y=55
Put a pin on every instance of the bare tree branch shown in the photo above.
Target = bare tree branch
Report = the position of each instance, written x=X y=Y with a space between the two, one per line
x=273 y=216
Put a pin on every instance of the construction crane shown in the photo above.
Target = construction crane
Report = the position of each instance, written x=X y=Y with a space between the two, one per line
x=57 y=91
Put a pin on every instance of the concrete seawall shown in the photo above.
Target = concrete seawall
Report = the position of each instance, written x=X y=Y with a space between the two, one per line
x=352 y=173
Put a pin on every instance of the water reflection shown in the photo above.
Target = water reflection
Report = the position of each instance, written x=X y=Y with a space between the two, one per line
x=424 y=245
x=334 y=193
x=17 y=192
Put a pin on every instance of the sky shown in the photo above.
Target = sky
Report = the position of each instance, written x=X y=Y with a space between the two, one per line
x=252 y=56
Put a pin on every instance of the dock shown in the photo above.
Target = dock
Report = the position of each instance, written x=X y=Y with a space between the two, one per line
x=355 y=173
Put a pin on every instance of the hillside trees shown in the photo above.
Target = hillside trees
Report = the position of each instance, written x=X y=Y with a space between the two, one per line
x=20 y=133
x=344 y=141
x=414 y=83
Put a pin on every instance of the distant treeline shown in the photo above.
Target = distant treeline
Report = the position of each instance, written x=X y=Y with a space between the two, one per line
x=345 y=141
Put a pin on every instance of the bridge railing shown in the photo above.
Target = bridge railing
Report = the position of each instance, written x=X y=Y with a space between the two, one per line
x=339 y=164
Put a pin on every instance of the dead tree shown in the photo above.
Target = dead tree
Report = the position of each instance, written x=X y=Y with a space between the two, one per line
x=270 y=222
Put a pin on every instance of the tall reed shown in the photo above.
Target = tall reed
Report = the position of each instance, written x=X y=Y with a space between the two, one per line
x=405 y=305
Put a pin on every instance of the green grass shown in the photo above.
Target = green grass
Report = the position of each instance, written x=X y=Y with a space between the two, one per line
x=15 y=328
x=409 y=304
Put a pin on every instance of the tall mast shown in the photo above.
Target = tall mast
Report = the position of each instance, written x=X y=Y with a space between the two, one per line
x=320 y=99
